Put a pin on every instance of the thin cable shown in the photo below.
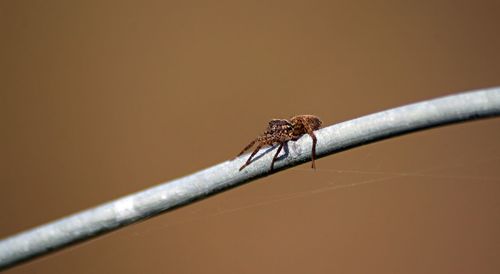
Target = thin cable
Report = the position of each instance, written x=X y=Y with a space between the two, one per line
x=167 y=196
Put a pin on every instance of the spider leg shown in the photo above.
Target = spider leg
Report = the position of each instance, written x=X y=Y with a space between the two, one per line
x=247 y=147
x=251 y=156
x=276 y=155
x=313 y=153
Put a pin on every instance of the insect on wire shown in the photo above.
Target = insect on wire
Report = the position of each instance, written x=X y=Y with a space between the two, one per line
x=280 y=131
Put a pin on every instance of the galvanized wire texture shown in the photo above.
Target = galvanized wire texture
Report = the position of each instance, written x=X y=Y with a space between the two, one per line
x=153 y=201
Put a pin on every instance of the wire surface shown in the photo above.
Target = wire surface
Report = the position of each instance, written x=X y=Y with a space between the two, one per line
x=153 y=201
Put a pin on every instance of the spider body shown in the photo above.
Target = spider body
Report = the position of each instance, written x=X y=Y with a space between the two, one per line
x=280 y=131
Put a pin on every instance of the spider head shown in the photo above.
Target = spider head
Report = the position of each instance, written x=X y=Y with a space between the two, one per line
x=276 y=125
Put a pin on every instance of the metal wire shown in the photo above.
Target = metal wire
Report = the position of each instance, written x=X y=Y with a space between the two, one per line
x=167 y=196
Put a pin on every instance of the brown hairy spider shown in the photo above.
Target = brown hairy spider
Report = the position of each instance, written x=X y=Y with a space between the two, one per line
x=280 y=131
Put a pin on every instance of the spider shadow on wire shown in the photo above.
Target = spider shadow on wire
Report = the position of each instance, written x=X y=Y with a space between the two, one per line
x=283 y=155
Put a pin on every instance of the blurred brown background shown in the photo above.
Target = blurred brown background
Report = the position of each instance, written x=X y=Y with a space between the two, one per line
x=103 y=98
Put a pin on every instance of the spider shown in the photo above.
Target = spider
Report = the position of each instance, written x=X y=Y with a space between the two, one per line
x=280 y=131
